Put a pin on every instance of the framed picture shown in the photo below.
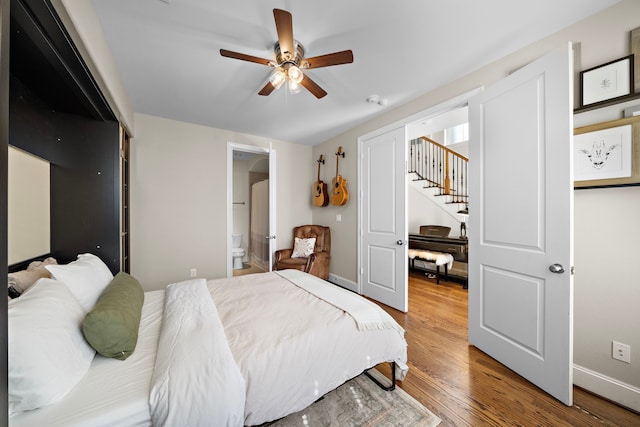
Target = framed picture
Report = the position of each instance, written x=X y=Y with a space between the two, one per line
x=607 y=154
x=608 y=81
x=635 y=50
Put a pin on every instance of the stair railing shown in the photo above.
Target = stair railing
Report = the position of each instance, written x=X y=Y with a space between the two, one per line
x=439 y=167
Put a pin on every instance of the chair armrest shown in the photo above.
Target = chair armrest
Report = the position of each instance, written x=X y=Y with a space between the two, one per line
x=319 y=256
x=318 y=264
x=281 y=254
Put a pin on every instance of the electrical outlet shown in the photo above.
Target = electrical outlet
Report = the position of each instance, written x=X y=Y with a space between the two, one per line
x=621 y=351
x=194 y=272
x=338 y=217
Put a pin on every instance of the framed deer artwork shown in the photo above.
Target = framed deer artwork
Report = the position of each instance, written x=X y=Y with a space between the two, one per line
x=607 y=154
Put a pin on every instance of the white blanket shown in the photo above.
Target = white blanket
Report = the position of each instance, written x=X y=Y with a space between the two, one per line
x=293 y=347
x=367 y=315
x=196 y=381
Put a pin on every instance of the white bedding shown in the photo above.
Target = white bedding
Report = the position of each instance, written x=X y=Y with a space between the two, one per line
x=113 y=392
x=196 y=381
x=291 y=348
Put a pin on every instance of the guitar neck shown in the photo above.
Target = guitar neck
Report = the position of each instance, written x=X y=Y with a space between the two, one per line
x=320 y=160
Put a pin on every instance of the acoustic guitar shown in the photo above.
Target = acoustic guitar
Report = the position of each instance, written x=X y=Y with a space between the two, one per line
x=339 y=194
x=320 y=195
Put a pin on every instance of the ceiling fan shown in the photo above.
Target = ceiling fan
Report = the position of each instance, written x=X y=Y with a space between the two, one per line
x=290 y=61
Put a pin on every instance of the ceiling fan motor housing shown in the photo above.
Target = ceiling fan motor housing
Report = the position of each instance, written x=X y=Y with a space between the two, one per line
x=289 y=57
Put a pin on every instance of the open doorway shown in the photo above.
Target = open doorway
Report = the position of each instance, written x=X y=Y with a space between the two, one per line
x=437 y=195
x=251 y=195
x=383 y=240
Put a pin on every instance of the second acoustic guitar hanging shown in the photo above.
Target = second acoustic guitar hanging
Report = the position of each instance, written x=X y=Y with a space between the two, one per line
x=339 y=192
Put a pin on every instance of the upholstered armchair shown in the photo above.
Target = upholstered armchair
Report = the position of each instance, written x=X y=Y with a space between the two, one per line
x=310 y=252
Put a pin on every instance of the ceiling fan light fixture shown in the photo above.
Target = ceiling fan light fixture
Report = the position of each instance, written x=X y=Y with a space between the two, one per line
x=278 y=77
x=295 y=74
x=290 y=61
x=293 y=87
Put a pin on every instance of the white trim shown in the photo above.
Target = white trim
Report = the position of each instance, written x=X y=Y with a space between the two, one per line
x=436 y=110
x=343 y=283
x=231 y=146
x=607 y=387
x=272 y=205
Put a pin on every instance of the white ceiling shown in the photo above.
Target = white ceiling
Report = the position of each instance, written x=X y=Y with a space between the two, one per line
x=168 y=55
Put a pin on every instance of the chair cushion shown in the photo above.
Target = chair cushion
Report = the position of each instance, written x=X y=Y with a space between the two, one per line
x=311 y=231
x=291 y=263
x=302 y=248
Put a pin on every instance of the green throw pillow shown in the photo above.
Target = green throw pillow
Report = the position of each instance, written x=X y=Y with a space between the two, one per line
x=111 y=328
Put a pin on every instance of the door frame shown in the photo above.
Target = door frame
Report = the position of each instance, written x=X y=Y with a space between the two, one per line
x=436 y=110
x=271 y=153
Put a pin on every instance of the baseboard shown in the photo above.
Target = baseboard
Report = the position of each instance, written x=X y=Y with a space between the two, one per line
x=623 y=394
x=342 y=282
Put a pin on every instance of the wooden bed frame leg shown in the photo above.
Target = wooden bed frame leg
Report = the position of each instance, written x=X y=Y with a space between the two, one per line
x=379 y=384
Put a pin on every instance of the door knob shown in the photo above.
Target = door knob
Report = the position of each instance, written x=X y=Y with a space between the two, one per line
x=556 y=268
x=400 y=242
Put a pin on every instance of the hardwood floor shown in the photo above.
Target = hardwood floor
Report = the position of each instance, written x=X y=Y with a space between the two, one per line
x=464 y=386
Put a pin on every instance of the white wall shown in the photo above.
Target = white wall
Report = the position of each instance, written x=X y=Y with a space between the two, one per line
x=421 y=210
x=179 y=193
x=607 y=282
x=607 y=290
x=80 y=20
x=28 y=206
x=602 y=37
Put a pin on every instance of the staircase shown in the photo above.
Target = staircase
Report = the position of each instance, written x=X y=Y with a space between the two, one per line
x=440 y=171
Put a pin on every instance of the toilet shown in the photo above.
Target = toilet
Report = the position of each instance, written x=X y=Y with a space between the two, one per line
x=237 y=252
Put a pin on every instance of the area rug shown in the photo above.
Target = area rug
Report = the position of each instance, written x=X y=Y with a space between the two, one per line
x=359 y=402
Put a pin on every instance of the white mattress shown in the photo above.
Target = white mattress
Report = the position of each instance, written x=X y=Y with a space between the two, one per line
x=113 y=392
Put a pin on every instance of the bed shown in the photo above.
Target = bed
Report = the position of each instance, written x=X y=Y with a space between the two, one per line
x=275 y=343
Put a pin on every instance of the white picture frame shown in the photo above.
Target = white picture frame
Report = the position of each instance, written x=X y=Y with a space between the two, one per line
x=603 y=154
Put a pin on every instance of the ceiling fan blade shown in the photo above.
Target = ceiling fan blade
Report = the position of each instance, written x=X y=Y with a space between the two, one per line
x=336 y=58
x=245 y=57
x=313 y=87
x=284 y=27
x=267 y=89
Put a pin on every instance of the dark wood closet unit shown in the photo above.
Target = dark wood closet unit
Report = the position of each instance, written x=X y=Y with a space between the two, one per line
x=57 y=112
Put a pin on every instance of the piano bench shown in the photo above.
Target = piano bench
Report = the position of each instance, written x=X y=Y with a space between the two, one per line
x=437 y=258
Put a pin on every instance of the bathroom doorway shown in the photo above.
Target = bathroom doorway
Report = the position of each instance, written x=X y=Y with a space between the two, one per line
x=251 y=189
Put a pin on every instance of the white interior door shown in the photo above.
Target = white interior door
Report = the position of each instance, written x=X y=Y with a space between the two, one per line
x=272 y=205
x=521 y=223
x=383 y=251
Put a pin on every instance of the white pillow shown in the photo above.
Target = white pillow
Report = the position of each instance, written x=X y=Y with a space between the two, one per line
x=86 y=278
x=48 y=354
x=302 y=248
